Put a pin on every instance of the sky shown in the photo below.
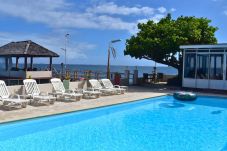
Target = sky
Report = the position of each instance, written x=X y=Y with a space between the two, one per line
x=92 y=24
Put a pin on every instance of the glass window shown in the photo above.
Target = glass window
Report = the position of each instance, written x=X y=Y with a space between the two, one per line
x=2 y=64
x=203 y=50
x=217 y=50
x=202 y=66
x=190 y=50
x=216 y=66
x=189 y=65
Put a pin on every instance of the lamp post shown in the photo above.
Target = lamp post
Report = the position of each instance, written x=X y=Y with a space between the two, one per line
x=110 y=48
x=64 y=49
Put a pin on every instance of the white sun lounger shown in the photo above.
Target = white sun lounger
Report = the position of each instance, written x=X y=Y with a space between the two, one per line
x=108 y=84
x=89 y=93
x=10 y=101
x=95 y=85
x=32 y=90
x=59 y=90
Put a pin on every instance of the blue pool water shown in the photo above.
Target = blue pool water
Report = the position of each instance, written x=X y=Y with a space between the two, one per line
x=156 y=124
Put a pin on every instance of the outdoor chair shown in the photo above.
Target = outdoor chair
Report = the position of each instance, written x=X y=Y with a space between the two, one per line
x=96 y=86
x=66 y=95
x=108 y=85
x=10 y=101
x=37 y=97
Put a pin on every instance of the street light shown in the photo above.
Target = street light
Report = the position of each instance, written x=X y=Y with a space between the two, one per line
x=111 y=48
x=64 y=49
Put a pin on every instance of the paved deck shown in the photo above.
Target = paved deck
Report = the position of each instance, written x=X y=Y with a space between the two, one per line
x=135 y=93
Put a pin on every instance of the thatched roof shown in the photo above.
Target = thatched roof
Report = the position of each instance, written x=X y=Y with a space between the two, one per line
x=26 y=49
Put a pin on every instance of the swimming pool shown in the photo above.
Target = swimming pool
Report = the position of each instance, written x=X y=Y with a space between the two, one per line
x=155 y=124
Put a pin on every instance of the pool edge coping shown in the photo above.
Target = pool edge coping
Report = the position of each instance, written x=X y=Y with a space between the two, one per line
x=84 y=109
x=105 y=105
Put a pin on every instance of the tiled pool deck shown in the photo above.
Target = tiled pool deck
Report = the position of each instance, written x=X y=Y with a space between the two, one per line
x=135 y=93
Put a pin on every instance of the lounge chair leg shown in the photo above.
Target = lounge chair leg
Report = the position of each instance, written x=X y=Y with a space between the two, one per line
x=78 y=98
x=24 y=105
x=52 y=101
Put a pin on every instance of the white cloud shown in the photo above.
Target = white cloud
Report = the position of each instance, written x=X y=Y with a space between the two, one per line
x=225 y=12
x=54 y=42
x=156 y=18
x=162 y=9
x=112 y=8
x=59 y=14
x=56 y=14
x=172 y=9
x=79 y=50
x=142 y=20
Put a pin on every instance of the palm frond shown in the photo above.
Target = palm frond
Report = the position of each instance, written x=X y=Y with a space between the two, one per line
x=113 y=52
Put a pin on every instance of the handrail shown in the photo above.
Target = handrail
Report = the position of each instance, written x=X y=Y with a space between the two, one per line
x=76 y=75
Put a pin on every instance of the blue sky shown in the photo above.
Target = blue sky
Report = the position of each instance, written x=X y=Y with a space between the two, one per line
x=93 y=23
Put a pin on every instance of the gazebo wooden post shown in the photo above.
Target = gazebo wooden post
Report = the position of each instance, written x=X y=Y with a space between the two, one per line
x=7 y=63
x=17 y=59
x=31 y=63
x=25 y=63
x=50 y=64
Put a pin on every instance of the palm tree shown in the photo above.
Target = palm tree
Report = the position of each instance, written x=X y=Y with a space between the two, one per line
x=113 y=51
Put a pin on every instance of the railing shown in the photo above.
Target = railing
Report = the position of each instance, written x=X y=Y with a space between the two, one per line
x=20 y=81
x=78 y=76
x=88 y=74
x=55 y=72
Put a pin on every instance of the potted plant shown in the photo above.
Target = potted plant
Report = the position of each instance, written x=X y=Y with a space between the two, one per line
x=66 y=81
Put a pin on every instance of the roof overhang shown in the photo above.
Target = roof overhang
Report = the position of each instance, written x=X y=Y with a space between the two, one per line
x=26 y=48
x=204 y=46
x=34 y=56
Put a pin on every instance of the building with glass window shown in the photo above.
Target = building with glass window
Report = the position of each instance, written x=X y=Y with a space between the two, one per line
x=204 y=66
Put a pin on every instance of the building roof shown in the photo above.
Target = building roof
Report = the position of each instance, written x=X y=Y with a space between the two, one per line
x=26 y=49
x=221 y=45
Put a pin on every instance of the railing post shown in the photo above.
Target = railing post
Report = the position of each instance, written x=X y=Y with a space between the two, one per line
x=89 y=74
x=75 y=75
x=62 y=71
x=135 y=77
x=85 y=74
x=97 y=75
x=111 y=76
x=127 y=76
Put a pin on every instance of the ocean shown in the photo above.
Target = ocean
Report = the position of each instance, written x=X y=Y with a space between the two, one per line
x=113 y=68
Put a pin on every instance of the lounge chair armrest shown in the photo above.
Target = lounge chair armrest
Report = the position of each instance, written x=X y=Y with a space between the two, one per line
x=69 y=91
x=117 y=86
x=24 y=96
x=90 y=89
x=57 y=92
x=52 y=93
x=78 y=90
x=93 y=89
x=14 y=96
x=44 y=93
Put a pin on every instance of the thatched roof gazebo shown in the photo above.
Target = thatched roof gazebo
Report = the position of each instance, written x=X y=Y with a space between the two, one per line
x=27 y=50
